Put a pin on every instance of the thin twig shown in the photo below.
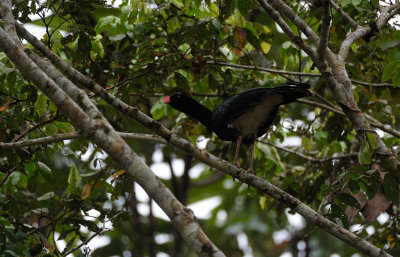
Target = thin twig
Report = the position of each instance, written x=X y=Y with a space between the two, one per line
x=247 y=67
x=370 y=84
x=344 y=14
x=7 y=175
x=289 y=32
x=28 y=130
x=294 y=73
x=318 y=160
x=101 y=230
x=324 y=36
x=324 y=100
x=68 y=136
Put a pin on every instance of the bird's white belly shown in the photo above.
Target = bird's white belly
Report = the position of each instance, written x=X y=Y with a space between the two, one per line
x=249 y=121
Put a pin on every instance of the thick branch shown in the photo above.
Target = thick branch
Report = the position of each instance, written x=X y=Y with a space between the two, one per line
x=386 y=14
x=353 y=36
x=8 y=18
x=98 y=130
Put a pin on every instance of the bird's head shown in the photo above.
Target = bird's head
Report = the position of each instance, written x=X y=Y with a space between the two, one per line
x=178 y=101
x=175 y=99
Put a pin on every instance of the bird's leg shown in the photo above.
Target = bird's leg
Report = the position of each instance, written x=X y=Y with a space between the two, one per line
x=236 y=159
x=251 y=150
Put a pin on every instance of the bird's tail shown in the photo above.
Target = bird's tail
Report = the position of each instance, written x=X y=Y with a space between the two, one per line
x=292 y=90
x=299 y=84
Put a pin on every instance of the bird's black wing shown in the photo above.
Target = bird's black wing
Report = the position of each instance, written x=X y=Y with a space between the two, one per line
x=237 y=105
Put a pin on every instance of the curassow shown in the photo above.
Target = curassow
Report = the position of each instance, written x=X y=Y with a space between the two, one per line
x=243 y=117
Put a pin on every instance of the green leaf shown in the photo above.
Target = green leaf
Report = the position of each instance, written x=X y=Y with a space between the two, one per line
x=44 y=167
x=109 y=24
x=389 y=70
x=64 y=127
x=262 y=202
x=216 y=24
x=396 y=79
x=391 y=187
x=375 y=3
x=74 y=179
x=11 y=79
x=46 y=196
x=214 y=10
x=173 y=24
x=4 y=222
x=366 y=151
x=11 y=253
x=370 y=184
x=306 y=143
x=325 y=190
x=338 y=213
x=356 y=2
x=349 y=200
x=353 y=186
x=345 y=2
x=158 y=110
x=371 y=140
x=181 y=79
x=40 y=105
x=19 y=179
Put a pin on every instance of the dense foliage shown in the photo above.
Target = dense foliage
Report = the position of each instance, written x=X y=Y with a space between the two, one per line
x=142 y=51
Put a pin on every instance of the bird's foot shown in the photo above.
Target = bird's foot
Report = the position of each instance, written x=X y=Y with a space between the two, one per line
x=236 y=163
x=250 y=170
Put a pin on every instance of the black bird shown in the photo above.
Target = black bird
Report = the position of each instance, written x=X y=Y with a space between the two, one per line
x=243 y=117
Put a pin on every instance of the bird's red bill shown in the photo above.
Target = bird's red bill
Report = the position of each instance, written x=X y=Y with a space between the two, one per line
x=166 y=100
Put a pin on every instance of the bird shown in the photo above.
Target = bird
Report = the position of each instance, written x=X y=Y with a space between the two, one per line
x=244 y=117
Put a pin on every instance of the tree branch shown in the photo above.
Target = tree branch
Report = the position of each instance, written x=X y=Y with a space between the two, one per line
x=69 y=136
x=353 y=36
x=374 y=123
x=293 y=73
x=100 y=132
x=386 y=14
x=101 y=230
x=283 y=8
x=370 y=84
x=289 y=32
x=308 y=158
x=324 y=35
x=30 y=129
x=8 y=18
x=344 y=14
x=273 y=71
